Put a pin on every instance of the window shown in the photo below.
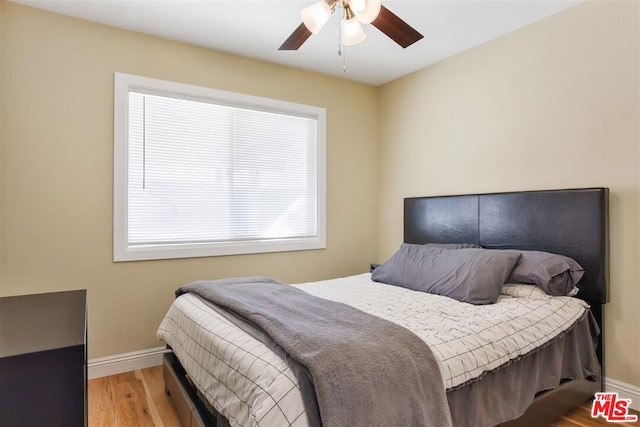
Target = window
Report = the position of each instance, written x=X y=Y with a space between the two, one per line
x=201 y=172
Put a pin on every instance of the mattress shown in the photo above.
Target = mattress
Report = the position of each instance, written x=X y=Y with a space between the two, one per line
x=250 y=385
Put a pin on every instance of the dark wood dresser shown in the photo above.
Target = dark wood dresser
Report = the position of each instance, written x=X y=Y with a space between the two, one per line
x=43 y=359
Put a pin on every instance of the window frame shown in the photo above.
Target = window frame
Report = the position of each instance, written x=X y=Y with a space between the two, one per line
x=122 y=251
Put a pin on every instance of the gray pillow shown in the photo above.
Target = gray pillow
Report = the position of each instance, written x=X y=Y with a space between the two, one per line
x=469 y=275
x=555 y=274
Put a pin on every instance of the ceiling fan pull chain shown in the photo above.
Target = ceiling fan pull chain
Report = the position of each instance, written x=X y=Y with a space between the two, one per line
x=341 y=49
x=344 y=61
x=340 y=39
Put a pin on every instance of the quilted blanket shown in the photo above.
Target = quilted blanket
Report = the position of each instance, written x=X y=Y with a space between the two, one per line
x=366 y=370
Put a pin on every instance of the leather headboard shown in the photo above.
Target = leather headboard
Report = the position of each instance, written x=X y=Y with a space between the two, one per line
x=574 y=223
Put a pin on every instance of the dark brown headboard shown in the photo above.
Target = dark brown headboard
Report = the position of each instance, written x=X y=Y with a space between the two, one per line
x=568 y=222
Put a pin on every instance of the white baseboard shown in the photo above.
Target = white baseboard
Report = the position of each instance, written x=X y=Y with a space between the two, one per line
x=624 y=390
x=125 y=362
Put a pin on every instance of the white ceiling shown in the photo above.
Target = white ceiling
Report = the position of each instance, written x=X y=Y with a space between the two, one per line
x=257 y=28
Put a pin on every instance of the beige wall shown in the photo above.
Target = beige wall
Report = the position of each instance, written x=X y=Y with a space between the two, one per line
x=1 y=130
x=57 y=169
x=553 y=105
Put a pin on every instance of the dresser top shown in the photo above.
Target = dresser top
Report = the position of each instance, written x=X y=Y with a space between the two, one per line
x=41 y=322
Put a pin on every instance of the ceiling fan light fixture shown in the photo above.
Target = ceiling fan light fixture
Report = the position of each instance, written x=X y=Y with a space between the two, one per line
x=370 y=12
x=358 y=5
x=315 y=16
x=356 y=12
x=353 y=33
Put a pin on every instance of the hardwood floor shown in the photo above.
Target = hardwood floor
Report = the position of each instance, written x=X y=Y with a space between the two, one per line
x=581 y=417
x=137 y=399
x=131 y=399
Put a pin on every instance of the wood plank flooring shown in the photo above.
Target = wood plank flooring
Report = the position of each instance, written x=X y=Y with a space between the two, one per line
x=581 y=417
x=131 y=399
x=137 y=399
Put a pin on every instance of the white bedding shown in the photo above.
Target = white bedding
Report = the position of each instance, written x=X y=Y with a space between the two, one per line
x=251 y=386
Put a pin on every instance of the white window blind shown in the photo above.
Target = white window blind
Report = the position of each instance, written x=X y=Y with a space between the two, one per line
x=214 y=173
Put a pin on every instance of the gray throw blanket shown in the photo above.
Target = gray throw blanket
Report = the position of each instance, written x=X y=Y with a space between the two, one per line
x=367 y=371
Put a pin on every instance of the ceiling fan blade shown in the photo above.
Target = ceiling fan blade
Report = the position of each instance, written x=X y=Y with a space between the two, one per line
x=395 y=28
x=296 y=39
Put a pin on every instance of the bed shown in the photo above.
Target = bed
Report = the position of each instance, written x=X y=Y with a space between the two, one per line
x=568 y=222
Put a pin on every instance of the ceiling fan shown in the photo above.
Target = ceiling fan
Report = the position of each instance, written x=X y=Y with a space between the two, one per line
x=356 y=12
